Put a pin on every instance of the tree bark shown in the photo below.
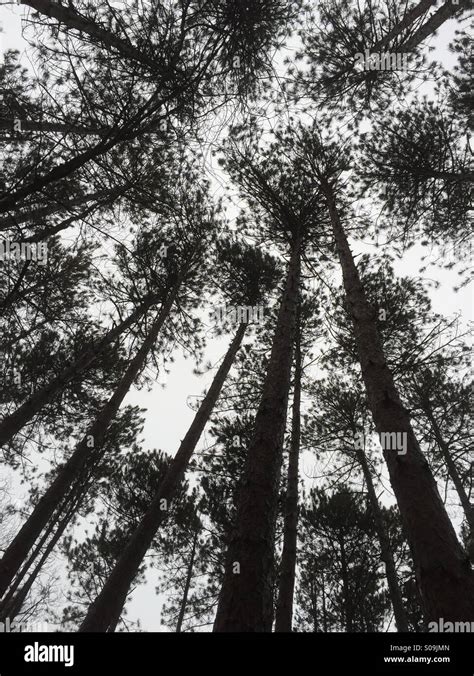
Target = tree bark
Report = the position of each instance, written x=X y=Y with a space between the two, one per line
x=14 y=422
x=284 y=609
x=111 y=599
x=443 y=572
x=246 y=598
x=187 y=584
x=84 y=451
x=385 y=550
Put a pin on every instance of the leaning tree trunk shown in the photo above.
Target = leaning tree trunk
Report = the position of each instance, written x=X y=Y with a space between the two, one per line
x=72 y=20
x=58 y=522
x=385 y=549
x=126 y=131
x=447 y=11
x=187 y=583
x=13 y=605
x=14 y=422
x=451 y=467
x=286 y=588
x=85 y=450
x=409 y=17
x=443 y=571
x=105 y=610
x=246 y=598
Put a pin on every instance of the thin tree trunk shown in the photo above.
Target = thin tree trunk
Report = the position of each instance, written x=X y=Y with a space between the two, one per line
x=61 y=518
x=314 y=607
x=284 y=609
x=14 y=422
x=410 y=17
x=187 y=584
x=451 y=467
x=13 y=607
x=246 y=598
x=385 y=549
x=447 y=11
x=87 y=448
x=442 y=568
x=75 y=21
x=109 y=603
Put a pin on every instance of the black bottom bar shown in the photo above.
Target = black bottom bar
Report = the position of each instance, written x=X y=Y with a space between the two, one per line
x=157 y=652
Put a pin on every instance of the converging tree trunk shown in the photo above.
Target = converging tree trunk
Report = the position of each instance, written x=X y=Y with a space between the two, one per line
x=286 y=588
x=385 y=549
x=443 y=571
x=105 y=610
x=187 y=583
x=14 y=422
x=450 y=465
x=87 y=448
x=246 y=598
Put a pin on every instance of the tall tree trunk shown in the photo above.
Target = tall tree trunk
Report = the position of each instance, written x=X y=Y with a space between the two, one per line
x=14 y=604
x=246 y=598
x=59 y=521
x=443 y=571
x=89 y=447
x=187 y=584
x=284 y=608
x=68 y=16
x=109 y=603
x=14 y=422
x=385 y=549
x=451 y=466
